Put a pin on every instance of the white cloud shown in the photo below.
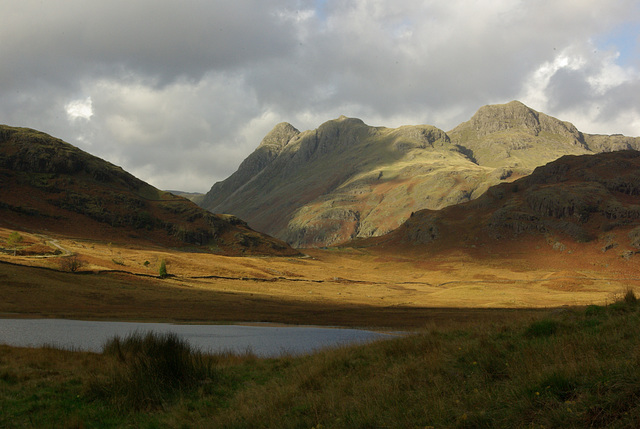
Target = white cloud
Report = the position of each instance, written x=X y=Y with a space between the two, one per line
x=79 y=109
x=610 y=74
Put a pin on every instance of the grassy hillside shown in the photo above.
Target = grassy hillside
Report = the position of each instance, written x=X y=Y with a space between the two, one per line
x=591 y=199
x=49 y=185
x=564 y=368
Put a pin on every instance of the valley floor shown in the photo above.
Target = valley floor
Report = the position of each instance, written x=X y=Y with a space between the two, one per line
x=346 y=287
x=492 y=347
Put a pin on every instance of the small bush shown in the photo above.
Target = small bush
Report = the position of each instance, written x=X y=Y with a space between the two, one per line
x=626 y=302
x=14 y=239
x=151 y=369
x=71 y=264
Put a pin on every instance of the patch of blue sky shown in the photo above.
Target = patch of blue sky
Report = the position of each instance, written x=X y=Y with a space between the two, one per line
x=321 y=9
x=625 y=40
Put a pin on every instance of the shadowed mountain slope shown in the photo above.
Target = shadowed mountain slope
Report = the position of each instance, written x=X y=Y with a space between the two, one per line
x=49 y=185
x=347 y=179
x=588 y=198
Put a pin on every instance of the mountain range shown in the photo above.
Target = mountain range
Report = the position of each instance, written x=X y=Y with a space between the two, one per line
x=347 y=180
x=49 y=186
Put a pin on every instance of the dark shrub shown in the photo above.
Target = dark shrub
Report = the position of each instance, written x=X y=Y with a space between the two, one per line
x=542 y=328
x=151 y=369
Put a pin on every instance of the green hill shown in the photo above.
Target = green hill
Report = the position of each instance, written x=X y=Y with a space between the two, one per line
x=49 y=185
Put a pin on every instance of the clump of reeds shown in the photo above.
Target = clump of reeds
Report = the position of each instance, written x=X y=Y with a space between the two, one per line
x=630 y=296
x=150 y=369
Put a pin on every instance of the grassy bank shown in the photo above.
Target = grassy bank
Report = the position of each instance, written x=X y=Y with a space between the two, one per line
x=566 y=368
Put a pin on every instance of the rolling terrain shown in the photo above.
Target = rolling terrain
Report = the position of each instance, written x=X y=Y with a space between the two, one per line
x=349 y=180
x=52 y=187
x=576 y=204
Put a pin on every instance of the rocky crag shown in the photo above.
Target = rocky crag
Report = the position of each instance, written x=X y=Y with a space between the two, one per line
x=587 y=198
x=349 y=180
x=49 y=185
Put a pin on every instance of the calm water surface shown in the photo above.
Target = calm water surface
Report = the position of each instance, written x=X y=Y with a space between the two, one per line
x=265 y=341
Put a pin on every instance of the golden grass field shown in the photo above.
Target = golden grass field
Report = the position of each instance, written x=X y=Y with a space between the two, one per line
x=342 y=286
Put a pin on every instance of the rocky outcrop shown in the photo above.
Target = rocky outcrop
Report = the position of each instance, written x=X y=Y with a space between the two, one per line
x=601 y=143
x=515 y=136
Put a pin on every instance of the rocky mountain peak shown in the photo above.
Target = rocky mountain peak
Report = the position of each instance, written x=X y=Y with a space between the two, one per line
x=516 y=136
x=342 y=122
x=515 y=115
x=280 y=135
x=498 y=117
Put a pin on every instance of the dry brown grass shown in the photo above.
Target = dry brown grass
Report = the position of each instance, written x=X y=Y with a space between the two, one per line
x=351 y=287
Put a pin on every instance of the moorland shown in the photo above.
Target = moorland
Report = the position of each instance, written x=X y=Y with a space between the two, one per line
x=520 y=302
x=499 y=339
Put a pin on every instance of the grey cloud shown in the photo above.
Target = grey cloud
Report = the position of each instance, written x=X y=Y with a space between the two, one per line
x=183 y=91
x=60 y=41
x=621 y=100
x=567 y=88
x=463 y=57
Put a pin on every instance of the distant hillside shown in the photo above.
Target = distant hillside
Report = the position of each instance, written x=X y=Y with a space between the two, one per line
x=347 y=179
x=195 y=197
x=588 y=198
x=49 y=185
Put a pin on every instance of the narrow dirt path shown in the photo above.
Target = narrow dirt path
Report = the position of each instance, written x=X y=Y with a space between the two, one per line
x=56 y=244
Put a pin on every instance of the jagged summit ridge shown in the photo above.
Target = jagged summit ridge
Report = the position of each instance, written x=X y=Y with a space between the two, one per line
x=347 y=179
x=516 y=137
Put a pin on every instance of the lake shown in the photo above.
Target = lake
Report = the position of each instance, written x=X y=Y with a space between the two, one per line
x=264 y=341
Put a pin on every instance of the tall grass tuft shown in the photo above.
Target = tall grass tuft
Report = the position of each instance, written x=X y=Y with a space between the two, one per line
x=630 y=296
x=151 y=369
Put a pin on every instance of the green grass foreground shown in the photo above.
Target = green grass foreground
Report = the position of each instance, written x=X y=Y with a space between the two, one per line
x=568 y=368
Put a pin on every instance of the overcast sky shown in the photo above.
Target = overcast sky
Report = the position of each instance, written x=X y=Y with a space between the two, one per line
x=180 y=92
